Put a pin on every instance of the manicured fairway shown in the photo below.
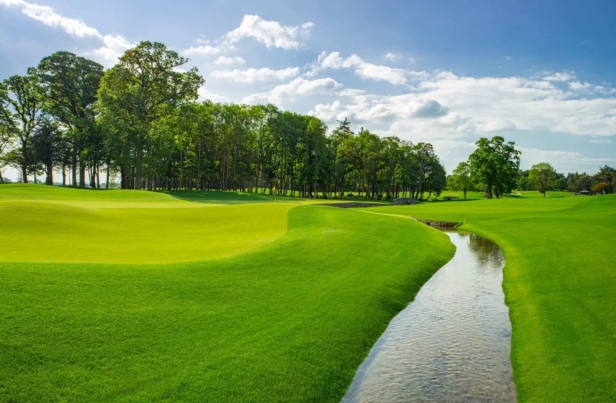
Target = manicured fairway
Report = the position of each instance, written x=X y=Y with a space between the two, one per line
x=290 y=320
x=560 y=285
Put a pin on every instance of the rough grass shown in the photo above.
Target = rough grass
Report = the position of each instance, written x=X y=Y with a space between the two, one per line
x=560 y=285
x=288 y=321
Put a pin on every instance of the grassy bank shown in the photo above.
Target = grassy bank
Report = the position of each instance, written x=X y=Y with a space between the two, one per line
x=289 y=320
x=560 y=285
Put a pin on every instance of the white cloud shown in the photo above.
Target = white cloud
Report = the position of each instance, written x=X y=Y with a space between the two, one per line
x=447 y=107
x=229 y=60
x=113 y=47
x=49 y=17
x=299 y=87
x=256 y=75
x=393 y=56
x=351 y=92
x=270 y=33
x=601 y=141
x=563 y=161
x=578 y=86
x=363 y=69
x=205 y=94
x=204 y=50
x=564 y=76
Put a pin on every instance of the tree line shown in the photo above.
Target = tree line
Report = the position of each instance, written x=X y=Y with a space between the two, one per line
x=494 y=168
x=140 y=121
x=543 y=177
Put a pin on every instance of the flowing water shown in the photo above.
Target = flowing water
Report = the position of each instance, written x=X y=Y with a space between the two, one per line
x=452 y=343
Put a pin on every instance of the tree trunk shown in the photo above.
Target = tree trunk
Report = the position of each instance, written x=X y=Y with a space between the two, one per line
x=24 y=173
x=139 y=168
x=74 y=167
x=82 y=174
x=49 y=179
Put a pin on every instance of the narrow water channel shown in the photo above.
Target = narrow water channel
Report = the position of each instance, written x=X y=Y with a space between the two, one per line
x=452 y=343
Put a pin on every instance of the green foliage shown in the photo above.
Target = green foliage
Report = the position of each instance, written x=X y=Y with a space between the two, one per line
x=494 y=166
x=578 y=182
x=543 y=176
x=21 y=99
x=70 y=84
x=143 y=88
x=461 y=178
x=6 y=138
x=601 y=188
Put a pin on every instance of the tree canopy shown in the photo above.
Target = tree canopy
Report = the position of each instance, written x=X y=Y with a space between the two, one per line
x=494 y=166
x=543 y=176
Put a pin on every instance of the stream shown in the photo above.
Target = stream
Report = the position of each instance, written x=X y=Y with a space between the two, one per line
x=452 y=343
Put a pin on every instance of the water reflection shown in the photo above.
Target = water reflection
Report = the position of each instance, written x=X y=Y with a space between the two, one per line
x=452 y=343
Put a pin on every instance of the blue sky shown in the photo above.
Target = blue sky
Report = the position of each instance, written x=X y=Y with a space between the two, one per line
x=448 y=72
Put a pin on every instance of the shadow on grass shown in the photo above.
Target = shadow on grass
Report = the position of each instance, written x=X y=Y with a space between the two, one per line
x=453 y=201
x=219 y=197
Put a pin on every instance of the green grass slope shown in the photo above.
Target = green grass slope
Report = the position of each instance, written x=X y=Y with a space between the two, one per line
x=53 y=224
x=560 y=285
x=288 y=321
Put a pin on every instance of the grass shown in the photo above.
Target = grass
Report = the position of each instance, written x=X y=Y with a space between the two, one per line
x=285 y=317
x=560 y=285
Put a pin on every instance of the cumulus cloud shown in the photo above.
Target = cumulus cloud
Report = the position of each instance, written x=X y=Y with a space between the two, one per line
x=446 y=106
x=223 y=60
x=113 y=45
x=430 y=109
x=269 y=33
x=297 y=88
x=562 y=160
x=351 y=92
x=256 y=75
x=578 y=86
x=363 y=69
x=564 y=76
x=203 y=50
x=205 y=94
x=49 y=17
x=392 y=56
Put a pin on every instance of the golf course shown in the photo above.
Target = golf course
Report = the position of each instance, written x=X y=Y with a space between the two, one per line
x=223 y=296
x=142 y=296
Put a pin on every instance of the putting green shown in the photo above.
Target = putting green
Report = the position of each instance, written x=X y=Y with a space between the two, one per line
x=134 y=232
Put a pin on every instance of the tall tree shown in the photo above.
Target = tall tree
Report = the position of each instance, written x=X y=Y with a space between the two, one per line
x=461 y=177
x=48 y=146
x=543 y=175
x=6 y=137
x=605 y=175
x=71 y=83
x=144 y=87
x=494 y=166
x=20 y=103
